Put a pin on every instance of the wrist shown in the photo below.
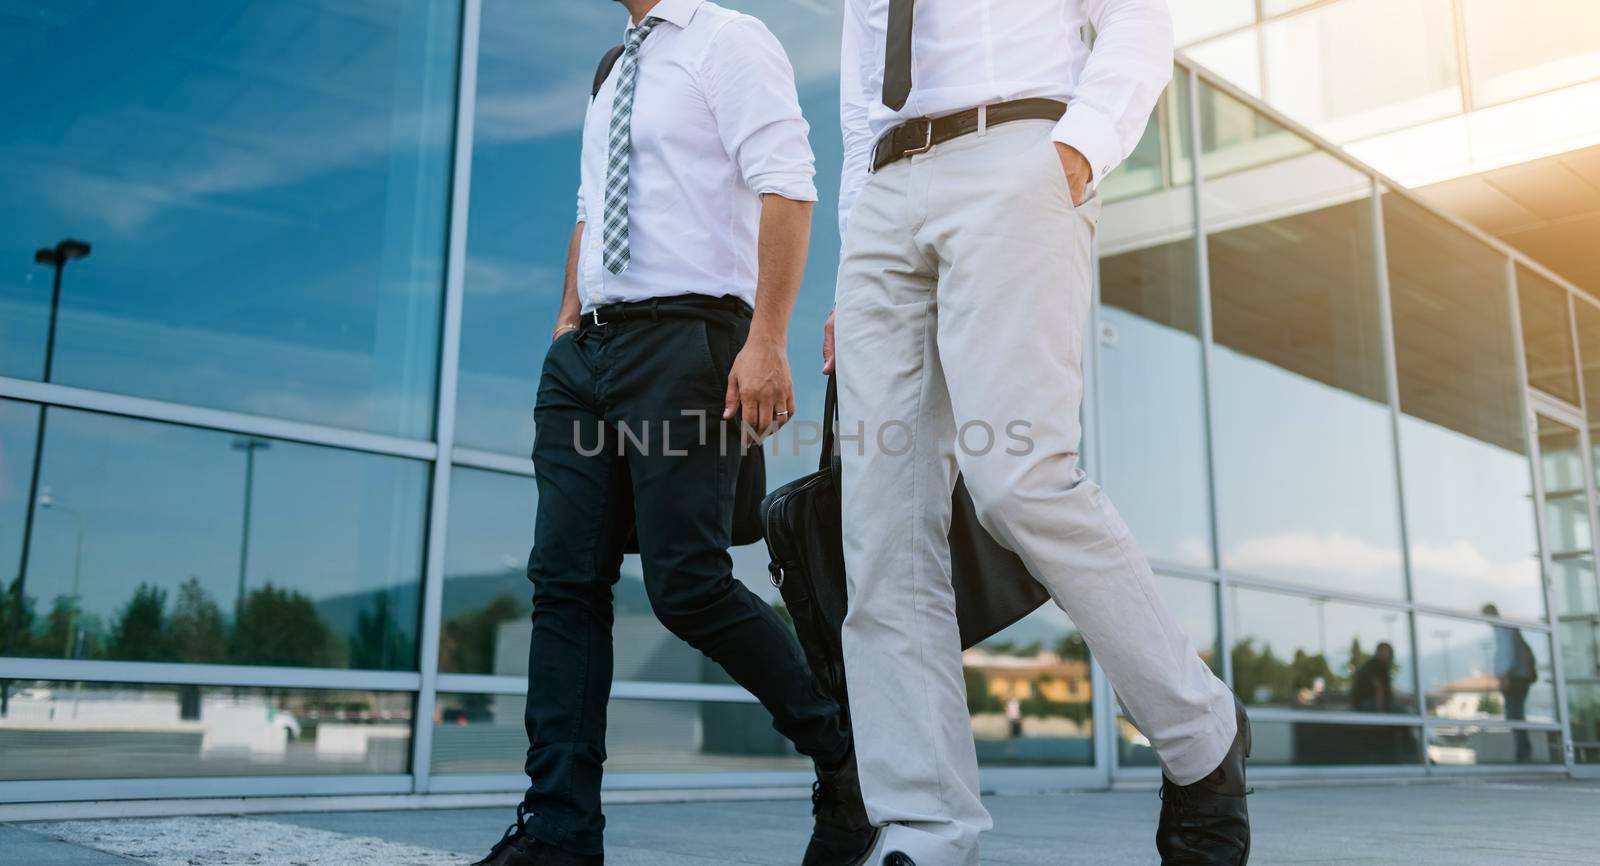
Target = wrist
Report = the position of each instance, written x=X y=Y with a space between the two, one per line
x=768 y=336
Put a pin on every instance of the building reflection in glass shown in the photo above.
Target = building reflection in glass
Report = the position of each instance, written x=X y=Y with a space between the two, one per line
x=1305 y=474
x=1478 y=745
x=1463 y=451
x=1029 y=692
x=1153 y=457
x=140 y=541
x=1314 y=653
x=75 y=730
x=479 y=733
x=1312 y=744
x=1480 y=670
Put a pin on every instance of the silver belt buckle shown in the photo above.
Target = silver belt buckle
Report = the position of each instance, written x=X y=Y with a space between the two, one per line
x=927 y=143
x=594 y=314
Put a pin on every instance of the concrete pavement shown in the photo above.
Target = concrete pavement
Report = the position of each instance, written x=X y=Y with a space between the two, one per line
x=1447 y=824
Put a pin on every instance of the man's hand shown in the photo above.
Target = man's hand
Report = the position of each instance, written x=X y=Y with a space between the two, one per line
x=827 y=345
x=1078 y=171
x=761 y=384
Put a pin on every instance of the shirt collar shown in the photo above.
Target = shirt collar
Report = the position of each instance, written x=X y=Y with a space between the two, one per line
x=677 y=12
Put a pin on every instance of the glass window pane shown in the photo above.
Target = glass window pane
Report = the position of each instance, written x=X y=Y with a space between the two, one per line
x=1322 y=69
x=1583 y=701
x=1464 y=458
x=532 y=90
x=1519 y=49
x=1191 y=21
x=1193 y=604
x=154 y=542
x=18 y=429
x=1285 y=744
x=265 y=200
x=1313 y=653
x=487 y=596
x=1566 y=498
x=1235 y=57
x=71 y=730
x=1270 y=8
x=1587 y=319
x=1236 y=137
x=1306 y=485
x=488 y=599
x=1479 y=670
x=479 y=733
x=1471 y=745
x=1153 y=459
x=1547 y=336
x=1030 y=693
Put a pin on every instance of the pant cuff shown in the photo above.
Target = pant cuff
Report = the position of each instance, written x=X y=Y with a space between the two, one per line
x=1196 y=757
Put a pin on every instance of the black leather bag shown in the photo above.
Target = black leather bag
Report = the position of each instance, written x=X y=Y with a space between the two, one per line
x=805 y=540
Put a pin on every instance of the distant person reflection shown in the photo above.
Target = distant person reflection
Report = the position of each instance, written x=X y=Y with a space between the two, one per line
x=1517 y=670
x=1372 y=689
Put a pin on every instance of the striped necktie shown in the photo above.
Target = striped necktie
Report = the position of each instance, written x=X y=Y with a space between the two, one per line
x=615 y=252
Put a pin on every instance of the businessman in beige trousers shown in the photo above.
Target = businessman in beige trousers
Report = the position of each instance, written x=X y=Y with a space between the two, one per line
x=976 y=133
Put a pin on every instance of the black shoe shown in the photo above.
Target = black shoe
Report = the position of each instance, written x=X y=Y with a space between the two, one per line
x=842 y=835
x=1208 y=823
x=895 y=858
x=517 y=848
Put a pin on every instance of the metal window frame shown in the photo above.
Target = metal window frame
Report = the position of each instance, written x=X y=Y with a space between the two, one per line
x=144 y=409
x=445 y=405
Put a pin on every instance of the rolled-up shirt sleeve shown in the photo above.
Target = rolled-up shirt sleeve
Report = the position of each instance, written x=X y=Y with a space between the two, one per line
x=1128 y=67
x=582 y=132
x=854 y=105
x=750 y=87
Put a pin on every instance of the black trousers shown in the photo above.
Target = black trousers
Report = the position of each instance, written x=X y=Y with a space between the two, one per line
x=615 y=450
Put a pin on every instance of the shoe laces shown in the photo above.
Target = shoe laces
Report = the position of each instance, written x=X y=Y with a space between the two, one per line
x=824 y=795
x=1181 y=798
x=514 y=832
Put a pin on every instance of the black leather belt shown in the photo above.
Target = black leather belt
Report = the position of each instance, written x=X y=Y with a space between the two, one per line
x=656 y=309
x=920 y=134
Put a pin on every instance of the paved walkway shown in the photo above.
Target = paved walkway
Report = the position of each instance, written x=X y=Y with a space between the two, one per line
x=1415 y=825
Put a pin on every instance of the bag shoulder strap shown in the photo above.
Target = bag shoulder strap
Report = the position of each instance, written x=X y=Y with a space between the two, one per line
x=830 y=411
x=604 y=70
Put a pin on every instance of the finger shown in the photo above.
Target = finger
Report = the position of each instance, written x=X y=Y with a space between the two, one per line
x=752 y=421
x=766 y=416
x=827 y=345
x=730 y=400
x=788 y=408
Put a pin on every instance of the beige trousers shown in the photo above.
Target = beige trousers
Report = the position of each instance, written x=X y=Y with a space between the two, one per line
x=963 y=304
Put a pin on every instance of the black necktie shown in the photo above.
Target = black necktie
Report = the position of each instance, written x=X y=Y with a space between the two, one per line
x=897 y=55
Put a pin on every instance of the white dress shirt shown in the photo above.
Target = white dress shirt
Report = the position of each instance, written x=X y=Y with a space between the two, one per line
x=716 y=124
x=967 y=53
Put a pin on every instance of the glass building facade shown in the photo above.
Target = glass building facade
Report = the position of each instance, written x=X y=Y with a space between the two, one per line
x=1424 y=90
x=265 y=498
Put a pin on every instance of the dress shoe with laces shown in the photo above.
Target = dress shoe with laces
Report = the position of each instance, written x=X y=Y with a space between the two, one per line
x=841 y=834
x=1208 y=823
x=517 y=848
